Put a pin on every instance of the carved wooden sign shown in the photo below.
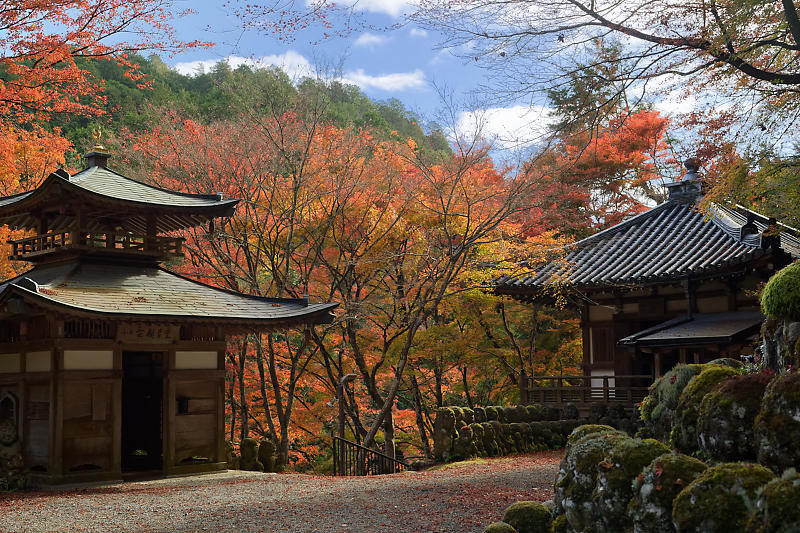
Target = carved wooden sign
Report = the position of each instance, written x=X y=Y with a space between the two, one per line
x=147 y=333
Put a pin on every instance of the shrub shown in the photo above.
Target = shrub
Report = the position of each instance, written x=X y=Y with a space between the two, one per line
x=615 y=476
x=777 y=509
x=781 y=295
x=684 y=432
x=499 y=527
x=777 y=426
x=655 y=488
x=528 y=517
x=727 y=413
x=720 y=498
x=575 y=481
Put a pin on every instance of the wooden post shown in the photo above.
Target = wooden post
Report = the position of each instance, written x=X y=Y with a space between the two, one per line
x=605 y=389
x=657 y=364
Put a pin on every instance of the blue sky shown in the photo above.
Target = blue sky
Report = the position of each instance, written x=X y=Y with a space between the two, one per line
x=382 y=57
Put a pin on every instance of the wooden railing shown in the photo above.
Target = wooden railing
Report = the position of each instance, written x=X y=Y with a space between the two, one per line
x=582 y=390
x=31 y=247
x=353 y=459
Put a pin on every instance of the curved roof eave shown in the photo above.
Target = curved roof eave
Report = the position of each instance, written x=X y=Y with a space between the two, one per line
x=314 y=313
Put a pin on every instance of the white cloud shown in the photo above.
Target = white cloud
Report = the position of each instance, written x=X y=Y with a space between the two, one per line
x=370 y=39
x=297 y=67
x=506 y=127
x=291 y=62
x=418 y=32
x=393 y=8
x=400 y=81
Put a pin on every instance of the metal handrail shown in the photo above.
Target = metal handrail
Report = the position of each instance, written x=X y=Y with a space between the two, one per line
x=353 y=459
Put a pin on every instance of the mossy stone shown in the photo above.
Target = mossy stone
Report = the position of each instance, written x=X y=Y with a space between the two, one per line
x=577 y=477
x=781 y=295
x=720 y=498
x=654 y=489
x=249 y=460
x=659 y=405
x=615 y=476
x=491 y=413
x=499 y=527
x=684 y=433
x=777 y=426
x=777 y=509
x=570 y=412
x=479 y=414
x=586 y=429
x=528 y=517
x=560 y=524
x=727 y=413
x=266 y=454
x=727 y=361
x=536 y=413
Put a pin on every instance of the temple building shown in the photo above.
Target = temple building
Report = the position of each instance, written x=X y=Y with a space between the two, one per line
x=109 y=362
x=670 y=285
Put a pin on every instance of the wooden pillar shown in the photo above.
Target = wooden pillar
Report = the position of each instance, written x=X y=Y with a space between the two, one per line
x=682 y=352
x=168 y=408
x=222 y=449
x=56 y=468
x=657 y=364
x=116 y=410
x=151 y=233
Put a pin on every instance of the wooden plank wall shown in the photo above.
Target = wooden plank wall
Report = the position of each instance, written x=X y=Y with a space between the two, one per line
x=196 y=430
x=88 y=430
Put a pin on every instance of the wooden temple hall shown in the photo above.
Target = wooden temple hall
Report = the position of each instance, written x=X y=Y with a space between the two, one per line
x=110 y=363
x=670 y=285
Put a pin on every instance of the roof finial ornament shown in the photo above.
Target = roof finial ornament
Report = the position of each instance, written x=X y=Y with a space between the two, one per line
x=99 y=154
x=97 y=133
x=692 y=166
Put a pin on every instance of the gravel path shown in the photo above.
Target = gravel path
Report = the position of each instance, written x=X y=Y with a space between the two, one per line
x=460 y=498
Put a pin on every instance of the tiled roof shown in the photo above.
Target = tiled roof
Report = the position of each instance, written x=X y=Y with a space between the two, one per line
x=708 y=328
x=104 y=186
x=147 y=292
x=673 y=240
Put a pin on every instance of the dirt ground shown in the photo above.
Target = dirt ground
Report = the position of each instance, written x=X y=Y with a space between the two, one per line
x=462 y=497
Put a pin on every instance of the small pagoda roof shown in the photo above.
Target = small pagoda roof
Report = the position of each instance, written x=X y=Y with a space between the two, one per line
x=106 y=189
x=145 y=292
x=672 y=241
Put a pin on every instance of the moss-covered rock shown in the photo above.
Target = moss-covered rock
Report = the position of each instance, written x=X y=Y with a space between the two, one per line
x=266 y=454
x=720 y=498
x=249 y=460
x=684 y=432
x=560 y=524
x=597 y=411
x=570 y=412
x=528 y=517
x=479 y=414
x=491 y=413
x=777 y=426
x=727 y=413
x=654 y=489
x=231 y=458
x=777 y=509
x=781 y=295
x=615 y=475
x=536 y=413
x=586 y=429
x=444 y=432
x=463 y=448
x=577 y=476
x=499 y=527
x=727 y=361
x=658 y=407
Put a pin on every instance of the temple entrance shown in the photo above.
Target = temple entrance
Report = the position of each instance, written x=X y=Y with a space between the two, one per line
x=142 y=409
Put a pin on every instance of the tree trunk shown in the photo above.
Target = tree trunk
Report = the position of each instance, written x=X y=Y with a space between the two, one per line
x=243 y=404
x=423 y=431
x=466 y=387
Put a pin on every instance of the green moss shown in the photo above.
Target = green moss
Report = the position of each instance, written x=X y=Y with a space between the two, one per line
x=777 y=426
x=499 y=527
x=684 y=432
x=777 y=509
x=727 y=361
x=727 y=413
x=654 y=489
x=491 y=413
x=781 y=295
x=615 y=475
x=720 y=498
x=577 y=476
x=560 y=524
x=581 y=431
x=479 y=414
x=528 y=517
x=658 y=407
